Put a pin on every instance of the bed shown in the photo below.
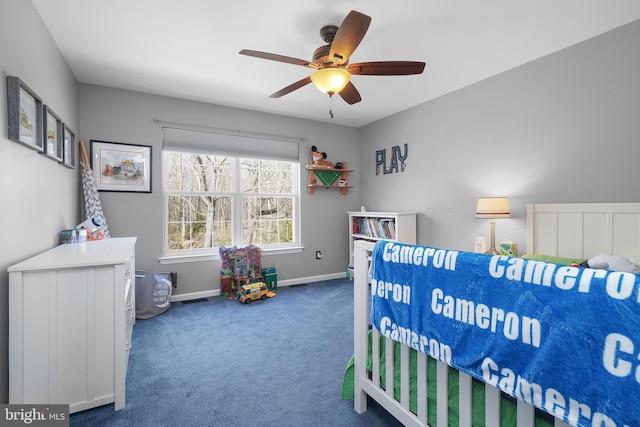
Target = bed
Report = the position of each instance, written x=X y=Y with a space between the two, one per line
x=428 y=391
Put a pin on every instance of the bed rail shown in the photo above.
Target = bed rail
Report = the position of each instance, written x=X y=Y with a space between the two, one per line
x=366 y=384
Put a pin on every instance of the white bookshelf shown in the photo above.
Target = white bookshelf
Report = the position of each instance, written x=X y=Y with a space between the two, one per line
x=373 y=226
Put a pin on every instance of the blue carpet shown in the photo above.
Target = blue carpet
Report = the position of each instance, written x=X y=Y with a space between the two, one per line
x=217 y=362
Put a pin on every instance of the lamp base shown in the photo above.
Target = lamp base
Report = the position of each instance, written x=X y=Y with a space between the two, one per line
x=492 y=250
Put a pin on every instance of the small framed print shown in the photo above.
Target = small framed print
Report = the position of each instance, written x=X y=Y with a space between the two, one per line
x=68 y=147
x=121 y=167
x=24 y=114
x=52 y=134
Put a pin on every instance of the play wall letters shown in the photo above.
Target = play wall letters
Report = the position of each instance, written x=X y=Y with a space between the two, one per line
x=395 y=158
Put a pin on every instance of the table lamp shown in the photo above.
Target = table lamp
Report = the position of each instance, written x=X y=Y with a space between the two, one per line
x=493 y=208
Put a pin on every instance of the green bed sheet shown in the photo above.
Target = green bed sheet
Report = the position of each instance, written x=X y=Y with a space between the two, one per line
x=554 y=259
x=507 y=406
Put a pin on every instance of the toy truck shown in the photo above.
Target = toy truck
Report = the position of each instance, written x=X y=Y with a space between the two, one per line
x=254 y=291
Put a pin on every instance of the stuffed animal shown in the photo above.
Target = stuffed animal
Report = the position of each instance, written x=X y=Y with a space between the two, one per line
x=319 y=159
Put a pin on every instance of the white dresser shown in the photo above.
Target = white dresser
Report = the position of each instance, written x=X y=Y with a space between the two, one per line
x=71 y=316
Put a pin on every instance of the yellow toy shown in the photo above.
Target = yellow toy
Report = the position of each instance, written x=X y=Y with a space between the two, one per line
x=254 y=291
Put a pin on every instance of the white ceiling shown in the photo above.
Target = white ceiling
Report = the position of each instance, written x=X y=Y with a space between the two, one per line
x=189 y=48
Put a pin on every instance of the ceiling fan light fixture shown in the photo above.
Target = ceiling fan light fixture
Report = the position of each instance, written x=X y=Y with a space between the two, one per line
x=331 y=63
x=330 y=80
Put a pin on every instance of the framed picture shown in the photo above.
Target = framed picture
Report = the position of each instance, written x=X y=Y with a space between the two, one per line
x=68 y=147
x=24 y=114
x=121 y=167
x=52 y=130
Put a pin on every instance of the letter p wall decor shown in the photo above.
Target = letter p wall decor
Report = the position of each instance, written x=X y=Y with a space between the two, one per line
x=395 y=158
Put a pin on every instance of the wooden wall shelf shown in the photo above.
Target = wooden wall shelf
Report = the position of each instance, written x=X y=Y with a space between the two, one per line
x=320 y=176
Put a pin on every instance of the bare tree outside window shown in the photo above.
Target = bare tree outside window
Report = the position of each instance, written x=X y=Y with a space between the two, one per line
x=201 y=200
x=266 y=203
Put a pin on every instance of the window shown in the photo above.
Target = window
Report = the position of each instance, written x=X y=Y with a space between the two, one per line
x=268 y=197
x=214 y=199
x=198 y=201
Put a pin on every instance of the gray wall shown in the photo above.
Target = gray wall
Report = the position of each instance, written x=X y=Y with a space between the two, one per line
x=123 y=116
x=564 y=128
x=38 y=197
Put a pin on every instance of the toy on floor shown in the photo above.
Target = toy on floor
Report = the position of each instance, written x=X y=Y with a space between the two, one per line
x=254 y=291
x=239 y=266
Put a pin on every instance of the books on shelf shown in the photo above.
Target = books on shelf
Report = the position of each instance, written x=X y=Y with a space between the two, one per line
x=378 y=228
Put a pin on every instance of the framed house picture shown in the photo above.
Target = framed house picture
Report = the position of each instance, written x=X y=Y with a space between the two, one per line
x=52 y=134
x=24 y=114
x=121 y=167
x=68 y=147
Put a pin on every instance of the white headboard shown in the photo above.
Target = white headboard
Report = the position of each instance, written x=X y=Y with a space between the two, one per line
x=583 y=230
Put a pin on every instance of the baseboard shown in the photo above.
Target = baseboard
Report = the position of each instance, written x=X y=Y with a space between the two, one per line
x=195 y=295
x=309 y=279
x=281 y=284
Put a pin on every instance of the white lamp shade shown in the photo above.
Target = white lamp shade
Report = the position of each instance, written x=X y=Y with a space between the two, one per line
x=493 y=207
x=330 y=80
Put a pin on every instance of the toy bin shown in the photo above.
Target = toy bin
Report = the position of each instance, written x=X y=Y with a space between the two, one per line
x=270 y=276
x=153 y=292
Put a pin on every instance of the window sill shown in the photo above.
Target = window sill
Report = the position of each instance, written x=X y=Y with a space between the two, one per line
x=182 y=259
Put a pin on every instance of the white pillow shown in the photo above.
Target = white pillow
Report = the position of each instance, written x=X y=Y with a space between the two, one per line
x=613 y=262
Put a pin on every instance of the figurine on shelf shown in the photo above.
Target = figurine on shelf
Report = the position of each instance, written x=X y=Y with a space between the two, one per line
x=320 y=159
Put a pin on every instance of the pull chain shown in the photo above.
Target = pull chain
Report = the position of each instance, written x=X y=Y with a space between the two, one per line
x=331 y=105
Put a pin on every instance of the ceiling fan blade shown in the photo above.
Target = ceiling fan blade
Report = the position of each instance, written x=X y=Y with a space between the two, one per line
x=348 y=37
x=279 y=58
x=386 y=68
x=350 y=94
x=291 y=87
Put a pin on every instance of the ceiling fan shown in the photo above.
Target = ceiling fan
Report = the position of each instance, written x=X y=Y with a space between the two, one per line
x=331 y=61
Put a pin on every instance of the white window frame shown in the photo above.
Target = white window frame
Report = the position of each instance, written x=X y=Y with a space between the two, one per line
x=205 y=254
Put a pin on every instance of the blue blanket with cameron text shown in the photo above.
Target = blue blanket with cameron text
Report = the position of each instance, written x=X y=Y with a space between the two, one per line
x=563 y=338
